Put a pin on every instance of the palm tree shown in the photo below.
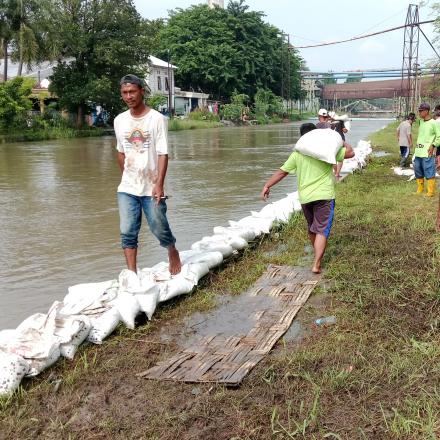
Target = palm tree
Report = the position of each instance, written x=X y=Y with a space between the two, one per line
x=9 y=26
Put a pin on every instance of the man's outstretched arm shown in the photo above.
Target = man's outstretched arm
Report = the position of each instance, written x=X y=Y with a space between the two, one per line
x=276 y=177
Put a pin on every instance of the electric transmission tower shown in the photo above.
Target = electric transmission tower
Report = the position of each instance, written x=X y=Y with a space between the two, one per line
x=410 y=60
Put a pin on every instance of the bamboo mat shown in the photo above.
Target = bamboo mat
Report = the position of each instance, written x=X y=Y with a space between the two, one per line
x=227 y=359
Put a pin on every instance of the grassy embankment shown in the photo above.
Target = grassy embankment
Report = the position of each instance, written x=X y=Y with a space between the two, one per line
x=373 y=375
x=30 y=134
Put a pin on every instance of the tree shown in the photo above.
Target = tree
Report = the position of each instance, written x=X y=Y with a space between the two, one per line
x=219 y=50
x=9 y=25
x=354 y=78
x=104 y=40
x=14 y=102
x=329 y=79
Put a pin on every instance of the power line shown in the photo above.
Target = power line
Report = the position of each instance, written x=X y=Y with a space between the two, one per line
x=360 y=37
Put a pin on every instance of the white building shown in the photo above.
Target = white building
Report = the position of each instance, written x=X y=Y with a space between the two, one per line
x=160 y=78
x=213 y=3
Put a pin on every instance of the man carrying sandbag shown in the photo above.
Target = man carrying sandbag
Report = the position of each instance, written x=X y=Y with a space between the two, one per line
x=316 y=183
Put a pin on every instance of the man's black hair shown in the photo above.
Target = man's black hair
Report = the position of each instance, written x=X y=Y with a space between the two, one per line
x=306 y=127
x=411 y=116
x=132 y=79
x=437 y=108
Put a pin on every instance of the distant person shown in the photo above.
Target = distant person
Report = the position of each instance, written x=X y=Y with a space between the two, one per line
x=323 y=117
x=424 y=161
x=142 y=144
x=316 y=188
x=338 y=126
x=404 y=137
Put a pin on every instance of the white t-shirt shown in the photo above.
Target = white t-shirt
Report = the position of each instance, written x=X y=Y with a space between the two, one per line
x=404 y=131
x=141 y=140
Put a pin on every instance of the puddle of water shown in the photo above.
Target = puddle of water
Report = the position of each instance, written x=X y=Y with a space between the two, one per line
x=296 y=332
x=277 y=251
x=307 y=258
x=234 y=316
x=380 y=154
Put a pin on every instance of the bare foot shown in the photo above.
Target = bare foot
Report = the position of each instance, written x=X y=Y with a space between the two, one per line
x=174 y=259
x=316 y=269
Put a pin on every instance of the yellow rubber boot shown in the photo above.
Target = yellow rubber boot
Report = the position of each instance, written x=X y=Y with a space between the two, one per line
x=431 y=187
x=420 y=185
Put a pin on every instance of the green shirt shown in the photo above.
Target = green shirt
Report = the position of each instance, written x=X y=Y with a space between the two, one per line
x=429 y=134
x=315 y=177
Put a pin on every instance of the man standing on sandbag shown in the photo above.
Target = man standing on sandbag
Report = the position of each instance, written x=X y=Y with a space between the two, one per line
x=316 y=189
x=142 y=144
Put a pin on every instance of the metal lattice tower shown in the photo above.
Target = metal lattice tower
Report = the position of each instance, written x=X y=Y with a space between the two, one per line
x=410 y=59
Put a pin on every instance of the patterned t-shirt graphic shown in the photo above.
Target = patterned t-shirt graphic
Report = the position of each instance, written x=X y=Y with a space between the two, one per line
x=141 y=140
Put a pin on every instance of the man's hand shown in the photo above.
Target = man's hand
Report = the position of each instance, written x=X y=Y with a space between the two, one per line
x=157 y=193
x=265 y=192
x=431 y=151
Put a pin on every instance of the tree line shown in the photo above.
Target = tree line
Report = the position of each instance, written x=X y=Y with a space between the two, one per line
x=222 y=52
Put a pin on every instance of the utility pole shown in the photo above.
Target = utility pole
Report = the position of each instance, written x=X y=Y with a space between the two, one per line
x=282 y=67
x=170 y=87
x=289 y=79
x=410 y=59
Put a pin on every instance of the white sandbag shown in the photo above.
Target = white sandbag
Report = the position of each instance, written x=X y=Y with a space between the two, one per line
x=6 y=336
x=260 y=225
x=246 y=233
x=174 y=287
x=323 y=144
x=194 y=271
x=71 y=332
x=91 y=298
x=148 y=301
x=211 y=259
x=12 y=370
x=37 y=365
x=225 y=249
x=135 y=283
x=69 y=349
x=35 y=336
x=103 y=325
x=128 y=308
x=297 y=205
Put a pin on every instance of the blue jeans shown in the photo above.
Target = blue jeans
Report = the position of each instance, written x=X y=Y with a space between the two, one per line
x=404 y=154
x=424 y=167
x=130 y=215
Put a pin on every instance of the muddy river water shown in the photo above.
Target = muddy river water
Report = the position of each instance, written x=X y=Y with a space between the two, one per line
x=58 y=213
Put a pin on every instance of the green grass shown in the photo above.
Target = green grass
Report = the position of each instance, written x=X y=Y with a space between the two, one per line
x=375 y=374
x=49 y=133
x=189 y=124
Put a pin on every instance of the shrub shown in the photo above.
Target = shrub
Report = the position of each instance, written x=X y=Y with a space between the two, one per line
x=203 y=115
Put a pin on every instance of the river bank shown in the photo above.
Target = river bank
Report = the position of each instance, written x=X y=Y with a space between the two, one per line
x=372 y=375
x=28 y=135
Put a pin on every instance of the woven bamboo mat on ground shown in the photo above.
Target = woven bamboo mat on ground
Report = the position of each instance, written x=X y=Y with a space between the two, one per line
x=227 y=359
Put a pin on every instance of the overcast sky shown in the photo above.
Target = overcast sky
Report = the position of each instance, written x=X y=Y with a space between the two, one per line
x=320 y=21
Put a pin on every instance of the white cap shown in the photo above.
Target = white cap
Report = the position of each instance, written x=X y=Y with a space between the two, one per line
x=322 y=112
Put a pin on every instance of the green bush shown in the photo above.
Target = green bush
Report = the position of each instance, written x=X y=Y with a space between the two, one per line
x=15 y=102
x=203 y=115
x=234 y=111
x=157 y=100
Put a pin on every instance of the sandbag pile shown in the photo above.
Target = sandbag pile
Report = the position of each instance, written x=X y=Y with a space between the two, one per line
x=361 y=151
x=91 y=312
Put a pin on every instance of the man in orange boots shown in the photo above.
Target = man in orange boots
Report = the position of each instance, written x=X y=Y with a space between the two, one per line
x=424 y=154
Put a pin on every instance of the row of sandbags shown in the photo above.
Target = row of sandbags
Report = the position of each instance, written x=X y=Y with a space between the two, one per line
x=362 y=151
x=91 y=312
